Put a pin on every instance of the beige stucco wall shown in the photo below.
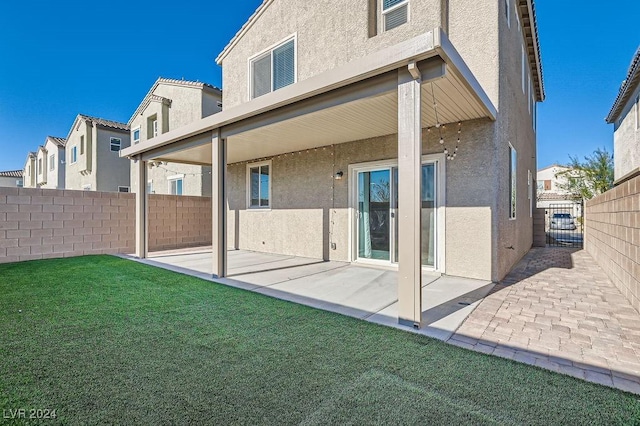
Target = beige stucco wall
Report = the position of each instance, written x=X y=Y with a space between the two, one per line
x=55 y=177
x=514 y=125
x=612 y=236
x=329 y=33
x=98 y=167
x=9 y=182
x=626 y=139
x=310 y=209
x=111 y=171
x=188 y=104
x=28 y=173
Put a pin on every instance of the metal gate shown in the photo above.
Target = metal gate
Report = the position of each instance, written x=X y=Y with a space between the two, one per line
x=564 y=225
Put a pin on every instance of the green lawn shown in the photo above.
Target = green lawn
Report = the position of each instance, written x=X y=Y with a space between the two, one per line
x=105 y=340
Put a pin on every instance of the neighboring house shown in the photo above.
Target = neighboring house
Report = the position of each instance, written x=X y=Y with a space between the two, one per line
x=399 y=134
x=168 y=105
x=550 y=191
x=50 y=164
x=29 y=171
x=11 y=179
x=93 y=160
x=625 y=117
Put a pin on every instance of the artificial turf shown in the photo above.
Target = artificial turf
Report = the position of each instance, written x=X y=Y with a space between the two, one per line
x=106 y=340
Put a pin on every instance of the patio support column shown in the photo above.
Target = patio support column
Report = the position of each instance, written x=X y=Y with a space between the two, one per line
x=219 y=204
x=142 y=210
x=409 y=197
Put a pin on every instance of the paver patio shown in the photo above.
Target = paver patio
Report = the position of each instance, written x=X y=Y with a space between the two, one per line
x=558 y=310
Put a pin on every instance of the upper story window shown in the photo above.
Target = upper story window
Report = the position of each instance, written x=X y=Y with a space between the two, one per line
x=274 y=69
x=52 y=162
x=136 y=135
x=39 y=166
x=74 y=155
x=394 y=13
x=81 y=145
x=116 y=144
x=152 y=126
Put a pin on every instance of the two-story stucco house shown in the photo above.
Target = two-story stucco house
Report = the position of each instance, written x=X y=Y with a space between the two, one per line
x=50 y=164
x=625 y=117
x=388 y=133
x=168 y=105
x=11 y=179
x=93 y=160
x=29 y=171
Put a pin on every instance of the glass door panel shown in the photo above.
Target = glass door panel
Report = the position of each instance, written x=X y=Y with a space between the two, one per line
x=374 y=215
x=428 y=198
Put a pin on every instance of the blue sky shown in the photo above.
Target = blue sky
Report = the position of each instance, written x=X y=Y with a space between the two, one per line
x=100 y=58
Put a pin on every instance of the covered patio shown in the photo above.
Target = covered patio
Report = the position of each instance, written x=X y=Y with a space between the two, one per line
x=362 y=292
x=417 y=84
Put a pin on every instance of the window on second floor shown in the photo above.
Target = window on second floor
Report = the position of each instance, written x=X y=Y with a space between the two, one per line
x=116 y=144
x=81 y=145
x=638 y=112
x=152 y=126
x=74 y=155
x=394 y=13
x=52 y=162
x=274 y=69
x=39 y=166
x=136 y=135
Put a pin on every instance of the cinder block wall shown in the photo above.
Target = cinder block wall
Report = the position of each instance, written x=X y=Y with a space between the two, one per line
x=48 y=223
x=612 y=236
x=178 y=222
x=539 y=230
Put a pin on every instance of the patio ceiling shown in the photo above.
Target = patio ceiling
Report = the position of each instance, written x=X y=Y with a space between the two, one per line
x=359 y=119
x=353 y=102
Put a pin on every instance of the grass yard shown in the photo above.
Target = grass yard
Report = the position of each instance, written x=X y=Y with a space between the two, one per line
x=106 y=340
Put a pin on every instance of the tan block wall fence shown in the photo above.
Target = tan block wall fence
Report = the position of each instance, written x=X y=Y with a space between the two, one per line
x=612 y=236
x=45 y=223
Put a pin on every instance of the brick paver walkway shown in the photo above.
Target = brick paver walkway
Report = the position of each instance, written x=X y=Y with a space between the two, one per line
x=558 y=310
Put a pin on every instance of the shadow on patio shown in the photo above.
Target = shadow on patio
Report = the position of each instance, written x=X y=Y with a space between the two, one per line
x=363 y=292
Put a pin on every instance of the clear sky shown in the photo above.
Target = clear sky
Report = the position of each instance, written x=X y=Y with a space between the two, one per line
x=62 y=58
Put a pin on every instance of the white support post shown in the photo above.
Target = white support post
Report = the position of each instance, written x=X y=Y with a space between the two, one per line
x=409 y=197
x=219 y=204
x=142 y=216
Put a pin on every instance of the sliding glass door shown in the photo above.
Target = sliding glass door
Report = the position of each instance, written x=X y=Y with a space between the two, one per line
x=377 y=214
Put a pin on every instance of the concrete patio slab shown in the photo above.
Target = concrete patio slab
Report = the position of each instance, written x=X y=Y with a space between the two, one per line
x=363 y=292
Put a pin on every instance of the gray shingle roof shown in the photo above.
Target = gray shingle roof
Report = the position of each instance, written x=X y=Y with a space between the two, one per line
x=105 y=123
x=12 y=174
x=627 y=88
x=58 y=141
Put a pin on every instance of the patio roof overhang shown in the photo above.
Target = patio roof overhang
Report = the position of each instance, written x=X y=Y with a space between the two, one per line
x=356 y=101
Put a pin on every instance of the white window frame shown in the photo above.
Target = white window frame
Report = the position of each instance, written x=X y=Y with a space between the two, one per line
x=133 y=132
x=155 y=127
x=513 y=184
x=120 y=188
x=40 y=171
x=384 y=13
x=269 y=51
x=52 y=162
x=254 y=165
x=111 y=144
x=174 y=178
x=150 y=186
x=73 y=154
